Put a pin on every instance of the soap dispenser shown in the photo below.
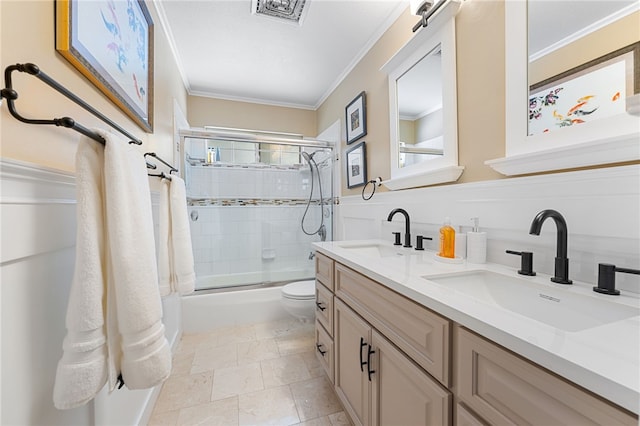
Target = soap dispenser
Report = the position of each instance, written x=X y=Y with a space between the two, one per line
x=447 y=240
x=476 y=244
x=461 y=244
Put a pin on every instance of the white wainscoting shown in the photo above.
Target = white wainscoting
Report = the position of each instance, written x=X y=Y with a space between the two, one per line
x=38 y=224
x=601 y=207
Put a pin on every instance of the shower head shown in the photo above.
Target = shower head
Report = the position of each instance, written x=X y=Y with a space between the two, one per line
x=308 y=157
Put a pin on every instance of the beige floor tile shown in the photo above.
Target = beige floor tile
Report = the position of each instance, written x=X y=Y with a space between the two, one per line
x=315 y=398
x=190 y=342
x=184 y=391
x=313 y=364
x=268 y=407
x=320 y=421
x=249 y=352
x=168 y=418
x=264 y=373
x=281 y=328
x=181 y=364
x=212 y=358
x=235 y=334
x=295 y=344
x=284 y=370
x=339 y=419
x=217 y=413
x=238 y=380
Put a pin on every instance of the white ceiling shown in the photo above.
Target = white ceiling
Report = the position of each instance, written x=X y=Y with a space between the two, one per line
x=225 y=51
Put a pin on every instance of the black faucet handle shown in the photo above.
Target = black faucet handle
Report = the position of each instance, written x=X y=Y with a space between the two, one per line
x=419 y=241
x=396 y=239
x=607 y=278
x=526 y=262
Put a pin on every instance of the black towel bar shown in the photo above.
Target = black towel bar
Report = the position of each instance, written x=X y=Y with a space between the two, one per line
x=11 y=95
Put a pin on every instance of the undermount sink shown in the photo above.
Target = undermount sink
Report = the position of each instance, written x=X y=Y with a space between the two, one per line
x=564 y=310
x=376 y=250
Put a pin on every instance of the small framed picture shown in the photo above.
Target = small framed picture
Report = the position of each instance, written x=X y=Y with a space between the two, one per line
x=356 y=118
x=356 y=166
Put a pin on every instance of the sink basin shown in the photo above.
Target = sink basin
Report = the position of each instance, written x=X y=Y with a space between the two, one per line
x=559 y=308
x=378 y=250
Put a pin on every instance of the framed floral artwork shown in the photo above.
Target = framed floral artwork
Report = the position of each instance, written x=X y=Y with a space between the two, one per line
x=356 y=118
x=356 y=165
x=111 y=43
x=592 y=91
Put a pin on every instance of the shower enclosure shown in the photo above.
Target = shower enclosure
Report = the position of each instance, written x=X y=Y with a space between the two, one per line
x=256 y=202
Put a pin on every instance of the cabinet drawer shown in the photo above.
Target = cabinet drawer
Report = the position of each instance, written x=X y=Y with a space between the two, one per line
x=324 y=350
x=324 y=307
x=420 y=333
x=324 y=270
x=505 y=389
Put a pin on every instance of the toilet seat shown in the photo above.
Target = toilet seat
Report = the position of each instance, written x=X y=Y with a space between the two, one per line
x=300 y=290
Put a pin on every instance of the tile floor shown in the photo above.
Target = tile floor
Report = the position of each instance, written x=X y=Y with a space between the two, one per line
x=258 y=374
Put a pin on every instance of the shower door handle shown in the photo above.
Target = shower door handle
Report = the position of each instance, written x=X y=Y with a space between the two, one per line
x=319 y=305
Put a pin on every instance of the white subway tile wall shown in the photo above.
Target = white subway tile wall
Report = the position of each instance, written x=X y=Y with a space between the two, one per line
x=249 y=219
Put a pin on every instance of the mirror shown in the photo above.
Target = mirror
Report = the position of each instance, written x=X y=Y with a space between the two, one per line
x=562 y=49
x=422 y=106
x=420 y=132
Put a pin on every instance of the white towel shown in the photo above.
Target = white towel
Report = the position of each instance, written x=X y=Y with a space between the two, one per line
x=165 y=267
x=182 y=251
x=137 y=344
x=82 y=370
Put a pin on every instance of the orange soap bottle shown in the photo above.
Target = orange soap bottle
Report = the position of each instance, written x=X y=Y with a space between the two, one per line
x=447 y=240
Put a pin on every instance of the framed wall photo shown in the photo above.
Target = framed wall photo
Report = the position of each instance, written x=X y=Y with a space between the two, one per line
x=356 y=118
x=356 y=165
x=111 y=43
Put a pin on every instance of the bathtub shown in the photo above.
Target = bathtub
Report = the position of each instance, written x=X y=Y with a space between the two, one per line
x=258 y=278
x=203 y=311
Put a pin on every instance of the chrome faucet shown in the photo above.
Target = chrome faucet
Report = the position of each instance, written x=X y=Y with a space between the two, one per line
x=407 y=225
x=561 y=274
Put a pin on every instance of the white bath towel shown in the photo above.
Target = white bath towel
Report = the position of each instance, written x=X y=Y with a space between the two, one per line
x=137 y=344
x=82 y=370
x=182 y=250
x=165 y=267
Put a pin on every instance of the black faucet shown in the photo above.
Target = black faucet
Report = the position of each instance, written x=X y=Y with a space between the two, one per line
x=407 y=229
x=561 y=275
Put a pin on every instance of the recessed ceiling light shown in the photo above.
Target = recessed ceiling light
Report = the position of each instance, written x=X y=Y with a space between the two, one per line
x=291 y=11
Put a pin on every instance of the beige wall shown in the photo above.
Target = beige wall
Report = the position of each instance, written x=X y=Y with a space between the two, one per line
x=480 y=29
x=244 y=115
x=28 y=35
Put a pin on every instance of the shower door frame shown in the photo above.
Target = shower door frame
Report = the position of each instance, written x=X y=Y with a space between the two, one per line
x=249 y=136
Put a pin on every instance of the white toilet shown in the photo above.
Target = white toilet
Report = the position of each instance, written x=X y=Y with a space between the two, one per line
x=299 y=299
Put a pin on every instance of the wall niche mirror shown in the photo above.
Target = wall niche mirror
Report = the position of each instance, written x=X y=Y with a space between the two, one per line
x=423 y=105
x=572 y=84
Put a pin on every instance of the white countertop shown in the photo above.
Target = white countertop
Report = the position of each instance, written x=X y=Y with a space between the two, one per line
x=603 y=359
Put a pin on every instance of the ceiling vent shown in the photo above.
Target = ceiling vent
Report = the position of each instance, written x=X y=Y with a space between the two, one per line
x=291 y=11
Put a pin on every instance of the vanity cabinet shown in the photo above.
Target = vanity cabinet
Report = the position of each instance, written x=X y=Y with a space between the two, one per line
x=504 y=388
x=394 y=361
x=377 y=383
